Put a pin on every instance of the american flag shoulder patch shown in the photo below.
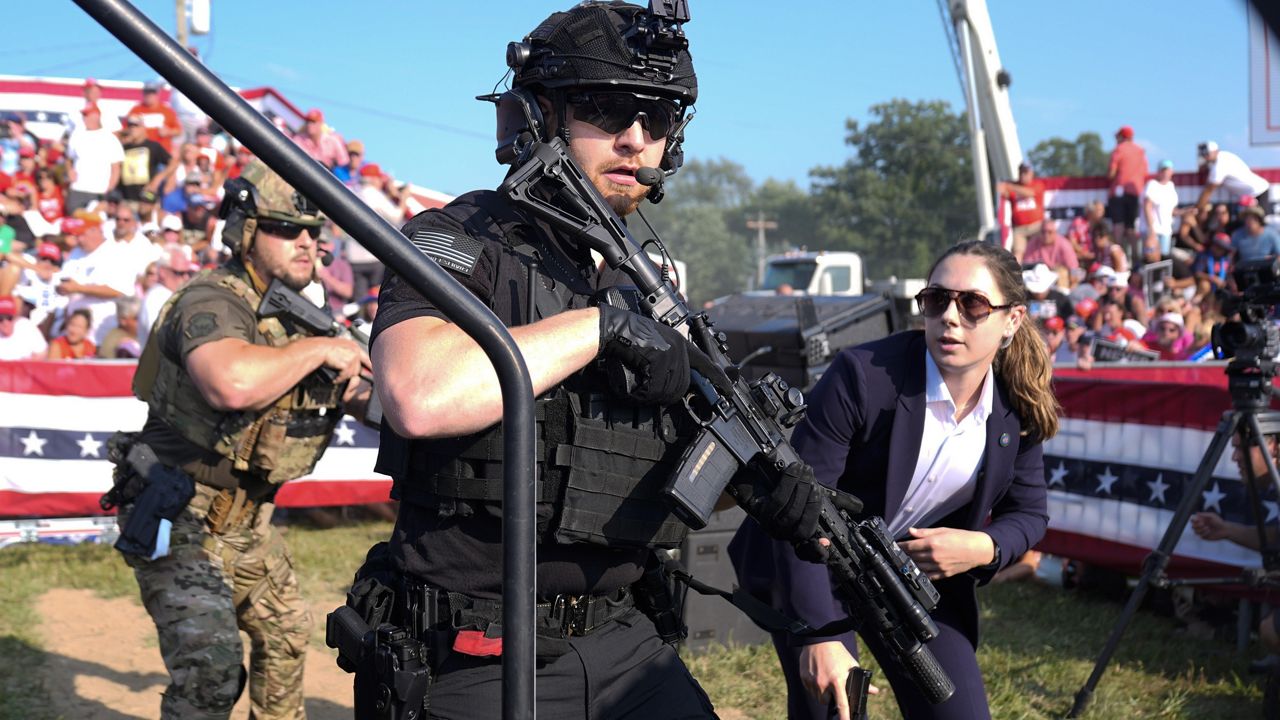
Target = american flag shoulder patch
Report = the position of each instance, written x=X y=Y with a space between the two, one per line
x=451 y=250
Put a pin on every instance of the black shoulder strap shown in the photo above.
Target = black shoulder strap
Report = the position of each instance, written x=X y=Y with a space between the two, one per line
x=767 y=617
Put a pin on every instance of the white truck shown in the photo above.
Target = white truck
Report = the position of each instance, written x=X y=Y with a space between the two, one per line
x=833 y=273
x=813 y=273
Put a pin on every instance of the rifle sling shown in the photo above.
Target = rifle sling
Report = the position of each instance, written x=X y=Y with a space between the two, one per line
x=767 y=617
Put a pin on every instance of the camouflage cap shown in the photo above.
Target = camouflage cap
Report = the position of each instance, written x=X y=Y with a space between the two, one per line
x=276 y=199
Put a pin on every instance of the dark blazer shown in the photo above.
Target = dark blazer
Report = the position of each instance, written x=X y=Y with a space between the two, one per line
x=862 y=434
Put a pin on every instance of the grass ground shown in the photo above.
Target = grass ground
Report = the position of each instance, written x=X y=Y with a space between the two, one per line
x=1038 y=644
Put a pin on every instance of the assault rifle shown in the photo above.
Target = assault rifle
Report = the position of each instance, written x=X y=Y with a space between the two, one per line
x=743 y=424
x=285 y=303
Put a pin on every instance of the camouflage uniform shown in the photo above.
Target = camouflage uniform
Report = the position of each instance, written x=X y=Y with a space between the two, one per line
x=204 y=592
x=228 y=568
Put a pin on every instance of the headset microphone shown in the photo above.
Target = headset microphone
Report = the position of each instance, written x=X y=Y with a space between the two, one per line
x=653 y=179
x=649 y=177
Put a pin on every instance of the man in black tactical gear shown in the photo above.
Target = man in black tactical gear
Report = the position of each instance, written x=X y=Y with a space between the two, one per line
x=602 y=80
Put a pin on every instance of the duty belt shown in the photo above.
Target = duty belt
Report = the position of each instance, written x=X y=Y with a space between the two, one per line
x=562 y=617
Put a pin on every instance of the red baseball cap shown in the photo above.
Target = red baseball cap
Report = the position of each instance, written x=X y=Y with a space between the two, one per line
x=314 y=115
x=1086 y=308
x=49 y=251
x=371 y=170
x=1054 y=323
x=26 y=151
x=72 y=226
x=1126 y=132
x=91 y=82
x=8 y=306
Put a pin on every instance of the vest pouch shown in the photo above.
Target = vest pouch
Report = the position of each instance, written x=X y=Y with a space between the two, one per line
x=603 y=505
x=269 y=447
x=614 y=467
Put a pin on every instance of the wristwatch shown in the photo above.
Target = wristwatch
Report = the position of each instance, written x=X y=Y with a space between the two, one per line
x=995 y=563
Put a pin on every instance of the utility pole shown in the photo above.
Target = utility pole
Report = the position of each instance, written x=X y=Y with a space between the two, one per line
x=182 y=23
x=760 y=225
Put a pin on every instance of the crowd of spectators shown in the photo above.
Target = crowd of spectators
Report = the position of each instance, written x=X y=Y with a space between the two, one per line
x=102 y=225
x=1139 y=277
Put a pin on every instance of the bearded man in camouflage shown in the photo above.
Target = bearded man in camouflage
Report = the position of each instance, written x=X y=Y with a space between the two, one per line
x=239 y=404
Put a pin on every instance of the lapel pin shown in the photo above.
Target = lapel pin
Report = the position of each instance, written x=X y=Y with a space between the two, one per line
x=1004 y=439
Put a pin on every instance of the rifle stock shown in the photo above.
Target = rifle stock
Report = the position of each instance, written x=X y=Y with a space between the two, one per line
x=743 y=424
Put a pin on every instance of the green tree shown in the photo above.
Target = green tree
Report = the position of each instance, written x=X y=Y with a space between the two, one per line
x=1081 y=157
x=720 y=183
x=791 y=207
x=717 y=258
x=907 y=192
x=701 y=221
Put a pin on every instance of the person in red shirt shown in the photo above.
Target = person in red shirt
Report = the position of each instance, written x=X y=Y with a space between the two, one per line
x=1127 y=175
x=160 y=120
x=49 y=200
x=1027 y=196
x=74 y=342
x=26 y=174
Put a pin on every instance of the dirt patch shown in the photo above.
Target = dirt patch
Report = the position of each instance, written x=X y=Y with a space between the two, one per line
x=103 y=662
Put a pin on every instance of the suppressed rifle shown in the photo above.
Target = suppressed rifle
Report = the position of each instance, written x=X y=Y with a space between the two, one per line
x=281 y=301
x=743 y=424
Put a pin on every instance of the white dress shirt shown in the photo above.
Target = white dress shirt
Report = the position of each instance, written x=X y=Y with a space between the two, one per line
x=950 y=455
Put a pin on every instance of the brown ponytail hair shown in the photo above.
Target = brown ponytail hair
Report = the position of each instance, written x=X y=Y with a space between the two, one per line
x=1023 y=366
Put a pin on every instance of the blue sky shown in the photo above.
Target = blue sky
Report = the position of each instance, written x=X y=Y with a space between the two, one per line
x=777 y=80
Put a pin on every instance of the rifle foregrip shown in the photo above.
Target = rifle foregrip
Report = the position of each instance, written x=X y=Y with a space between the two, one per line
x=928 y=675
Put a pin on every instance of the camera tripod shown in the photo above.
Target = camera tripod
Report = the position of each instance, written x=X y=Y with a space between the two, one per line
x=1249 y=418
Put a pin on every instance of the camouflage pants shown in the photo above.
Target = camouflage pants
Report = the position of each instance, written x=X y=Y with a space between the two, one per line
x=207 y=589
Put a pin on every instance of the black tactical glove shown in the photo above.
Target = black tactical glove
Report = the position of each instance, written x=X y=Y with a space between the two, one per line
x=658 y=355
x=789 y=510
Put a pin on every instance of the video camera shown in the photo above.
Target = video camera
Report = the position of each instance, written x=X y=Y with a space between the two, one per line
x=1253 y=341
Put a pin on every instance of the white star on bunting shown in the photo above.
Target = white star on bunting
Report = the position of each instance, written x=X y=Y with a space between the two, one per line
x=1106 y=480
x=33 y=444
x=346 y=434
x=1059 y=476
x=89 y=446
x=1158 y=486
x=1213 y=498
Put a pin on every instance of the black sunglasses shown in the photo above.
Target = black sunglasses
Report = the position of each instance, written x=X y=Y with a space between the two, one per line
x=287 y=230
x=614 y=112
x=934 y=301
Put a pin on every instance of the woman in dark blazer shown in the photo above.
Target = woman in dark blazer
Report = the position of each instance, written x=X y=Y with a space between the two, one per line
x=940 y=433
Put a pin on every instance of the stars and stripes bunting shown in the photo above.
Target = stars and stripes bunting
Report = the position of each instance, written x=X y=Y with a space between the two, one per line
x=56 y=417
x=1129 y=444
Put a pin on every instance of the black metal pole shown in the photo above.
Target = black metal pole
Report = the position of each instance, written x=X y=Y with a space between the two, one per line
x=188 y=75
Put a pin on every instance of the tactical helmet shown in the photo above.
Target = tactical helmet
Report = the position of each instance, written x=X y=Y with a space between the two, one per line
x=259 y=193
x=611 y=45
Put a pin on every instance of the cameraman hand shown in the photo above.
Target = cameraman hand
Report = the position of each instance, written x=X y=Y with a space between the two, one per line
x=658 y=354
x=1210 y=526
x=789 y=510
